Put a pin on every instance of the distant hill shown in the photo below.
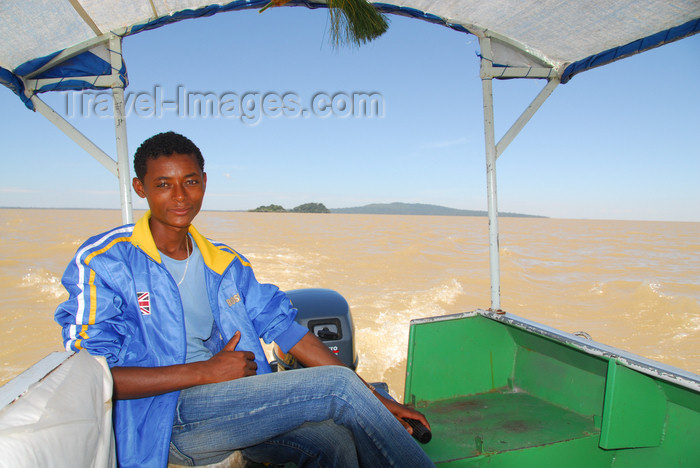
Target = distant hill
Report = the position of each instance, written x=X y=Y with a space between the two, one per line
x=398 y=208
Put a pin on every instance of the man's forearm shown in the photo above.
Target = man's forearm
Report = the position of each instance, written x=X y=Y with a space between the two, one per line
x=141 y=382
x=311 y=352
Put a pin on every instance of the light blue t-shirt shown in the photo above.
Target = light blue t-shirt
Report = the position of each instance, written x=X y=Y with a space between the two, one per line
x=199 y=319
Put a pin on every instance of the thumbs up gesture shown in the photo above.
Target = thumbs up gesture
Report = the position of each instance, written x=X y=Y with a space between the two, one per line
x=229 y=364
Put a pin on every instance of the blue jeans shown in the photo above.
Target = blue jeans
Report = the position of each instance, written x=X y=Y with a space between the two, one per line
x=322 y=416
x=311 y=445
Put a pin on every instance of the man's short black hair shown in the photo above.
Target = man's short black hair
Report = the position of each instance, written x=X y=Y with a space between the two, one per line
x=164 y=144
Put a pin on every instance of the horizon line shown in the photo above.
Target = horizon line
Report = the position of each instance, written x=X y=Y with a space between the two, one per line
x=373 y=214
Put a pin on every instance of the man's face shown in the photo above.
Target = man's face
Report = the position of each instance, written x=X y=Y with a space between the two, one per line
x=174 y=187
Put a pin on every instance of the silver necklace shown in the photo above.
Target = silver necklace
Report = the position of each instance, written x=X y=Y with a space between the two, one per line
x=187 y=247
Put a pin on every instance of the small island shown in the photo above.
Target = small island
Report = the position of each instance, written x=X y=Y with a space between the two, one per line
x=305 y=208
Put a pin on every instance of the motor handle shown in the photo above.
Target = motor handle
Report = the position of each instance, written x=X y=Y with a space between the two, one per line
x=421 y=433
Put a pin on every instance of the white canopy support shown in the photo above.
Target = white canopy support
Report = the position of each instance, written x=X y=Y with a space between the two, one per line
x=75 y=135
x=526 y=116
x=492 y=193
x=115 y=47
x=493 y=151
x=120 y=167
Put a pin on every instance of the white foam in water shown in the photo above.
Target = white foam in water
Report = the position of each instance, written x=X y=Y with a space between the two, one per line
x=45 y=282
x=656 y=288
x=383 y=345
x=694 y=324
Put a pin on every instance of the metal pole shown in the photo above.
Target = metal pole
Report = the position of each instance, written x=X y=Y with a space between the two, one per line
x=120 y=135
x=490 y=143
x=122 y=155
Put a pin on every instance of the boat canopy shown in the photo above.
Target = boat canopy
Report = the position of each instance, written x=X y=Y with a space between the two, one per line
x=64 y=44
x=60 y=45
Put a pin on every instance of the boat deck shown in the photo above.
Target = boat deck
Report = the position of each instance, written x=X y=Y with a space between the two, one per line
x=502 y=392
x=467 y=428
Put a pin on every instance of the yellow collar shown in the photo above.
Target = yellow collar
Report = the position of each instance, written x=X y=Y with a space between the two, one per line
x=214 y=257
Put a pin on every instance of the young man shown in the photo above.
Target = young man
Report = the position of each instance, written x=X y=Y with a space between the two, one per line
x=179 y=320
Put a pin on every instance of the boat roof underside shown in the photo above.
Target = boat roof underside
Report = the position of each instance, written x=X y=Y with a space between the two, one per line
x=67 y=46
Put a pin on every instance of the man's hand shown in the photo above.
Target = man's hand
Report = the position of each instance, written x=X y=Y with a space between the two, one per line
x=402 y=411
x=229 y=364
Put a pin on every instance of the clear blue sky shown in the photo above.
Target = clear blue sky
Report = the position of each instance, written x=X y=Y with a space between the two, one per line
x=618 y=142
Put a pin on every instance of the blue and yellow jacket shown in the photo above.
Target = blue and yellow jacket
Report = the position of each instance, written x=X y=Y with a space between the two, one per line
x=124 y=305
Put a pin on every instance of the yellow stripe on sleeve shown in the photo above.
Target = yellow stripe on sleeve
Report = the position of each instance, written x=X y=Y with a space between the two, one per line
x=93 y=299
x=83 y=334
x=92 y=317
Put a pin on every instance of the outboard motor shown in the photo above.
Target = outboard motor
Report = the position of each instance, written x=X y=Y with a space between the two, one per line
x=327 y=315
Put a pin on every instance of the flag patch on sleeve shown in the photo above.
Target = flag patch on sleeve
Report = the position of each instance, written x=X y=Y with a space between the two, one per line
x=144 y=299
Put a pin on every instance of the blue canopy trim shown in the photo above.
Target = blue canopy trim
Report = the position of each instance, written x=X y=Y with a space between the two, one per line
x=635 y=47
x=209 y=10
x=72 y=74
x=9 y=79
x=85 y=64
x=421 y=15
